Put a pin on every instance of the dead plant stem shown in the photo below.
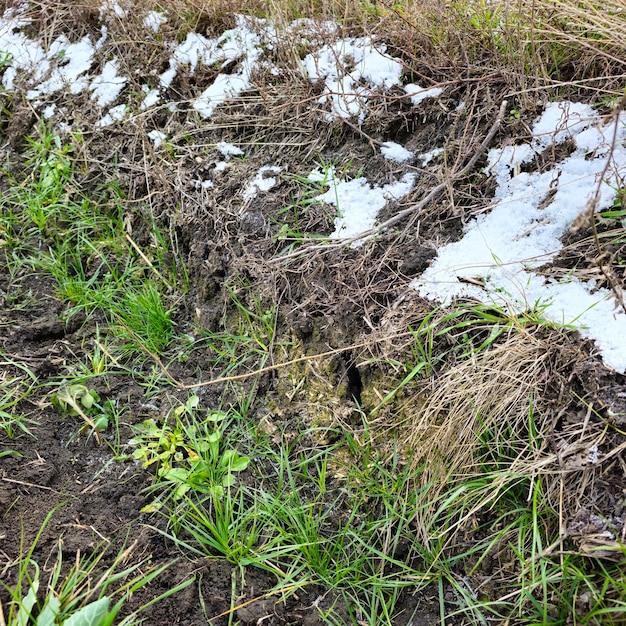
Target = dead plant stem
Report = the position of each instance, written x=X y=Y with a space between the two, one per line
x=415 y=208
x=592 y=206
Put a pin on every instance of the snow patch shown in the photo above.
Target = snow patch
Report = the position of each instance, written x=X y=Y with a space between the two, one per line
x=154 y=20
x=261 y=182
x=418 y=93
x=533 y=210
x=395 y=152
x=357 y=202
x=346 y=67
x=107 y=86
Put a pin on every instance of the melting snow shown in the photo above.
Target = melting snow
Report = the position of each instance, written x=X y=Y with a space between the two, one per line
x=261 y=182
x=157 y=137
x=115 y=114
x=503 y=247
x=108 y=85
x=395 y=152
x=228 y=149
x=345 y=67
x=418 y=93
x=523 y=230
x=357 y=202
x=427 y=157
x=154 y=20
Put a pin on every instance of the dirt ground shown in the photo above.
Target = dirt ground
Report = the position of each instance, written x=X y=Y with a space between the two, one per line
x=354 y=302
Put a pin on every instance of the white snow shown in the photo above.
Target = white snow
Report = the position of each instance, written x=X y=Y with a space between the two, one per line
x=157 y=137
x=112 y=7
x=107 y=86
x=152 y=97
x=523 y=229
x=224 y=87
x=24 y=53
x=194 y=49
x=350 y=68
x=75 y=58
x=427 y=157
x=357 y=202
x=418 y=93
x=115 y=114
x=228 y=149
x=240 y=44
x=166 y=78
x=153 y=20
x=203 y=184
x=261 y=182
x=395 y=152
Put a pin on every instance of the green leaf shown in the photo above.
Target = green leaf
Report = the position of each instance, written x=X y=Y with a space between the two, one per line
x=192 y=402
x=50 y=612
x=101 y=422
x=153 y=507
x=91 y=615
x=175 y=474
x=239 y=464
x=228 y=480
x=23 y=617
x=216 y=416
x=87 y=400
x=233 y=462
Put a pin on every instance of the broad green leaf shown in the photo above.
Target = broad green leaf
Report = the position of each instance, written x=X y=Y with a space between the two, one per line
x=216 y=416
x=23 y=617
x=176 y=474
x=50 y=611
x=91 y=615
x=239 y=464
x=192 y=402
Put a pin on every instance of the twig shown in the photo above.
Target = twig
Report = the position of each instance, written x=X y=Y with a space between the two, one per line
x=373 y=142
x=268 y=368
x=592 y=205
x=277 y=366
x=432 y=194
x=26 y=484
x=269 y=594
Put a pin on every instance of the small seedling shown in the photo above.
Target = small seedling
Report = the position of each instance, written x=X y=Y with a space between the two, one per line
x=80 y=400
x=189 y=456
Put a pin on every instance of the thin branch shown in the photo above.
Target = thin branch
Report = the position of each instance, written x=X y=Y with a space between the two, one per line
x=432 y=195
x=592 y=206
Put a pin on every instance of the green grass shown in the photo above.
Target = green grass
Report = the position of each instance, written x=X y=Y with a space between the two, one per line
x=348 y=519
x=83 y=593
x=14 y=389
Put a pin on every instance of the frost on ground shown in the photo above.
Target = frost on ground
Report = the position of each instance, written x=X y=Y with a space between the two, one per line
x=533 y=210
